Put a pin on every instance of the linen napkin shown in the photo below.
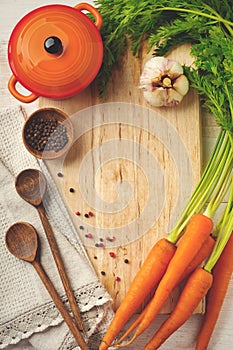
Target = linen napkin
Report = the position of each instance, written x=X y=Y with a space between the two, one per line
x=27 y=311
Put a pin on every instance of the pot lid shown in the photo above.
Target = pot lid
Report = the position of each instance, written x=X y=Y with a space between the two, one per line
x=56 y=50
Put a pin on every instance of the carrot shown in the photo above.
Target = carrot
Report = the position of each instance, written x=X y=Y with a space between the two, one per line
x=197 y=231
x=131 y=328
x=195 y=289
x=216 y=261
x=222 y=272
x=147 y=277
x=202 y=254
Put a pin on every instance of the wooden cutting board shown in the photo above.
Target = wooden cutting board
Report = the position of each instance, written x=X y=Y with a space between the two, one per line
x=131 y=165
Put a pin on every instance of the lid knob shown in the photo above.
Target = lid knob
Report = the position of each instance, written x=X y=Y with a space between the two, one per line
x=53 y=45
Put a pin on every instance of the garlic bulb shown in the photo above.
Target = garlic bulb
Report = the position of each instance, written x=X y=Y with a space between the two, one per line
x=163 y=82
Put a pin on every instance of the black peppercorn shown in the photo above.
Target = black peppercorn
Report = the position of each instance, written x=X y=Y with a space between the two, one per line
x=45 y=134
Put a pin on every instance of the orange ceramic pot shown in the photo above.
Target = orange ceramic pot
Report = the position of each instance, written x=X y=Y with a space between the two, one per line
x=55 y=51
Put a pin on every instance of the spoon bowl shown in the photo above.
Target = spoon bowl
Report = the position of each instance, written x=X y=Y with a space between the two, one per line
x=22 y=241
x=31 y=186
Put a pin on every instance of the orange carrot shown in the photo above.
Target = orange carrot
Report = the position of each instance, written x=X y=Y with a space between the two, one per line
x=195 y=289
x=197 y=231
x=202 y=254
x=147 y=277
x=222 y=272
x=131 y=327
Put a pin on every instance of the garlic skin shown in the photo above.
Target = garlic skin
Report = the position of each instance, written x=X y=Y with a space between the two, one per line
x=163 y=82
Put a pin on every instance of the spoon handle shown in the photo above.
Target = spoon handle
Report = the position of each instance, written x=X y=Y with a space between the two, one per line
x=60 y=266
x=59 y=304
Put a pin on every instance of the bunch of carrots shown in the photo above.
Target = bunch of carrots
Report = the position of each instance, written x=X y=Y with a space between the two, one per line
x=197 y=250
x=179 y=256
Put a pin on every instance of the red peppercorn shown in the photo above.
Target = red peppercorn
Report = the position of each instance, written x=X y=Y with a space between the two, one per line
x=90 y=213
x=112 y=254
x=78 y=213
x=117 y=278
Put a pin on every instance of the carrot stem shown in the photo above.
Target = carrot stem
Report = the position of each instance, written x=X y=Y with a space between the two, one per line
x=208 y=182
x=225 y=229
x=223 y=183
x=218 y=18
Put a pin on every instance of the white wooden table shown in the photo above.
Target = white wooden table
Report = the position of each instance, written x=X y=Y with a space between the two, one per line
x=10 y=13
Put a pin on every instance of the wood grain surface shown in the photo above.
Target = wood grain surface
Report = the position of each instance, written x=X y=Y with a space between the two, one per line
x=132 y=165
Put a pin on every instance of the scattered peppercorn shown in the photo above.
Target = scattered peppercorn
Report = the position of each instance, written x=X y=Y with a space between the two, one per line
x=72 y=190
x=90 y=213
x=86 y=216
x=126 y=261
x=97 y=245
x=78 y=214
x=101 y=245
x=103 y=273
x=81 y=227
x=117 y=278
x=59 y=174
x=112 y=254
x=45 y=134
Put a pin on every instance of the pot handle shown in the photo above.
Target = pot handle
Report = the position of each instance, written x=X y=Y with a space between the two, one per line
x=98 y=18
x=12 y=88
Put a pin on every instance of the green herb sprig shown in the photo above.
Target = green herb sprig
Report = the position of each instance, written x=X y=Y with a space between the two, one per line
x=167 y=22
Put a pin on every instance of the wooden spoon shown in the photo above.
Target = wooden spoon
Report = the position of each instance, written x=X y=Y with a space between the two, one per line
x=22 y=241
x=31 y=186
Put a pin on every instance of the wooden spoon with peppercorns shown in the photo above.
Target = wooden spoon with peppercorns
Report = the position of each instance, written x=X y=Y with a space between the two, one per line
x=31 y=185
x=22 y=241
